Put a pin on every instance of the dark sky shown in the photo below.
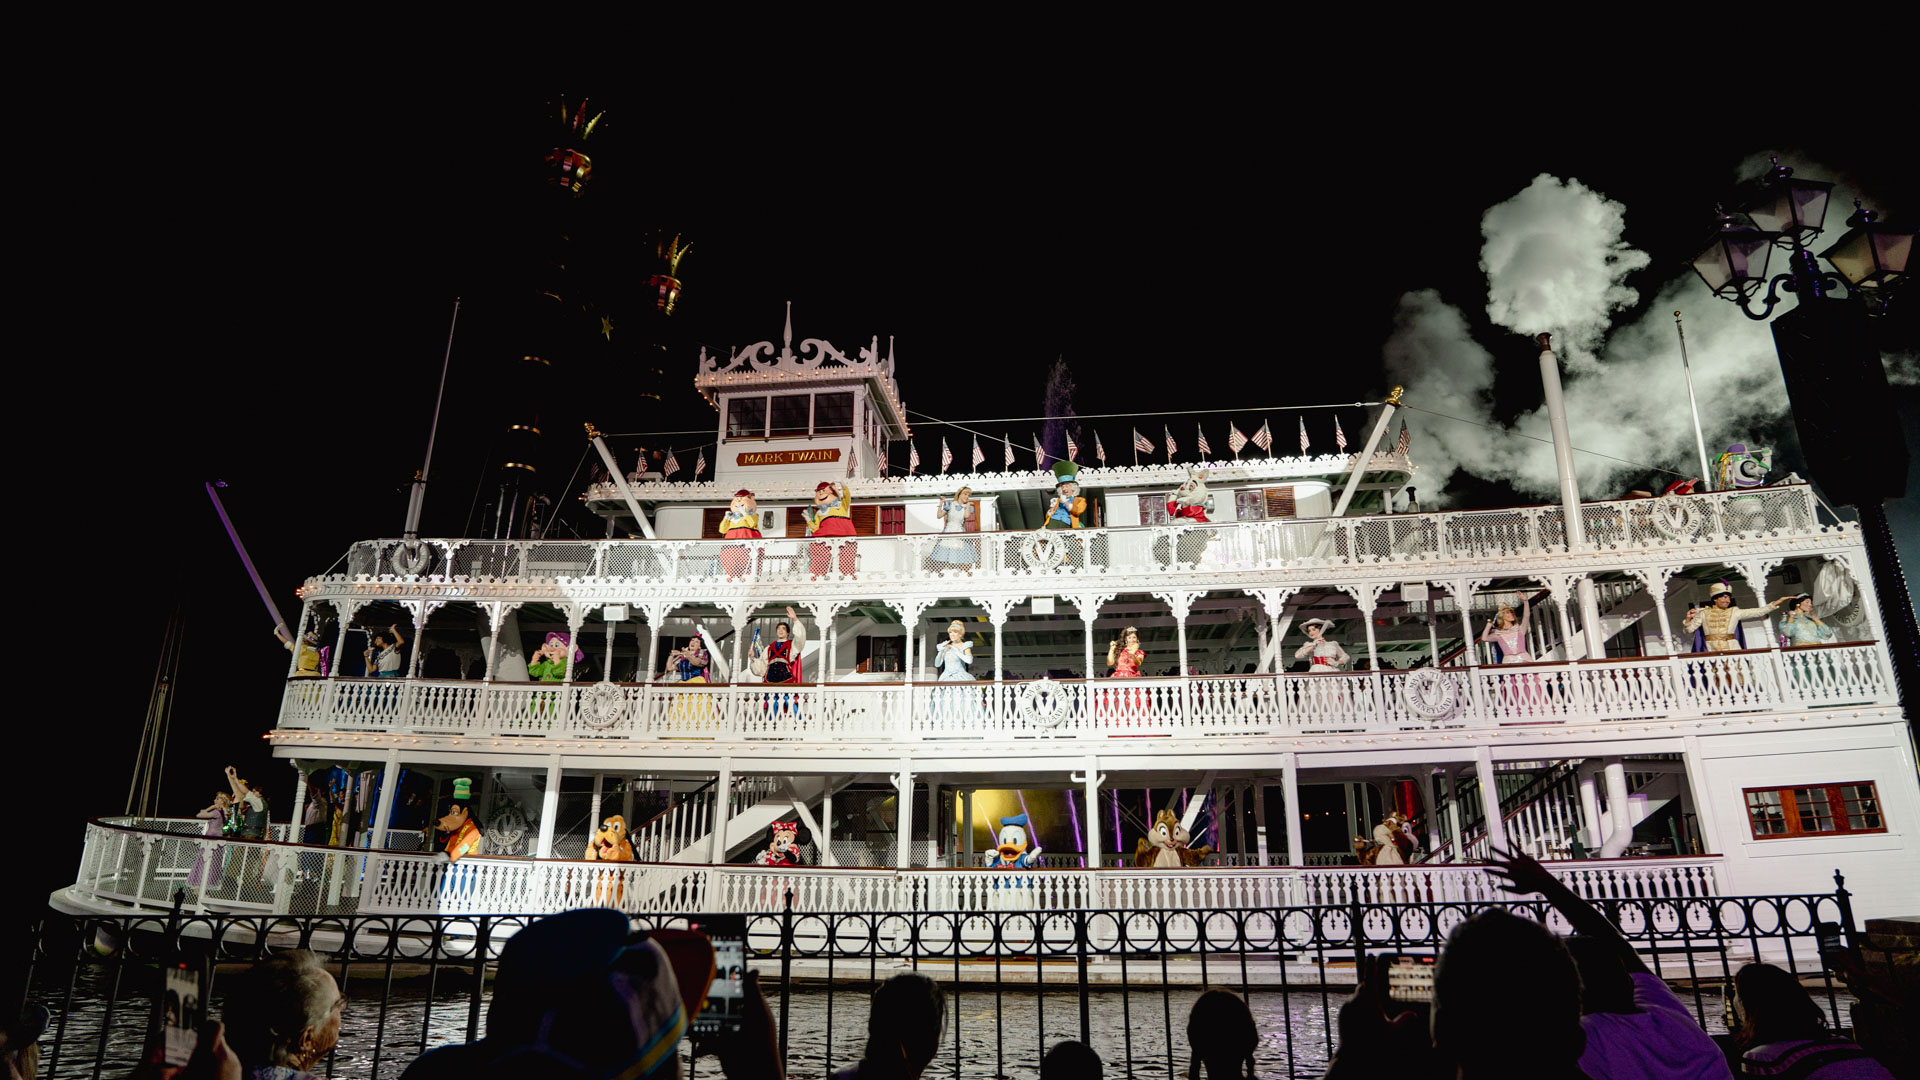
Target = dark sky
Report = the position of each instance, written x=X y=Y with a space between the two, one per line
x=275 y=269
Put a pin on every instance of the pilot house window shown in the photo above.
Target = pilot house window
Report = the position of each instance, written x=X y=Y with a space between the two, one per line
x=1814 y=809
x=832 y=414
x=746 y=418
x=790 y=414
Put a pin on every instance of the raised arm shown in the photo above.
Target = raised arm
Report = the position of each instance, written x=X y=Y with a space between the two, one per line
x=1486 y=634
x=1112 y=648
x=1526 y=613
x=233 y=781
x=1523 y=874
x=398 y=641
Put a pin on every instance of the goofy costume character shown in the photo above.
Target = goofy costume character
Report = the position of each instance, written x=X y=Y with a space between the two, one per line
x=462 y=829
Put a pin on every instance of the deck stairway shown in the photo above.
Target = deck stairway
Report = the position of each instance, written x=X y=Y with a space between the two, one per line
x=1540 y=807
x=683 y=832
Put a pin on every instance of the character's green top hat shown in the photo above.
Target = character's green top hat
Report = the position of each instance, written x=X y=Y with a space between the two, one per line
x=463 y=789
x=1065 y=472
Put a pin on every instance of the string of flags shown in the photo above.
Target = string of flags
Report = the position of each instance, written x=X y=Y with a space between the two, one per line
x=1237 y=441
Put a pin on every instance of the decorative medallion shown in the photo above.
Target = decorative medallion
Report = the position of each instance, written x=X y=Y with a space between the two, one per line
x=507 y=829
x=602 y=705
x=1431 y=693
x=1674 y=517
x=411 y=557
x=1043 y=552
x=1043 y=703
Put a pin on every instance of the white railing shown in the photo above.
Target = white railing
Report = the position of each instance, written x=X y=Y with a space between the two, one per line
x=143 y=868
x=1584 y=691
x=1446 y=538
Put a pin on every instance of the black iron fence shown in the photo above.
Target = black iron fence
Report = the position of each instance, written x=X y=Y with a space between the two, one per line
x=1017 y=980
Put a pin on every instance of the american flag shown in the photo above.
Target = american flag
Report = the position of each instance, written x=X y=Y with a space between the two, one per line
x=1009 y=445
x=1098 y=450
x=946 y=455
x=979 y=455
x=1141 y=442
x=1039 y=455
x=1406 y=439
x=1303 y=434
x=913 y=458
x=672 y=466
x=1073 y=448
x=1236 y=442
x=1171 y=449
x=1339 y=437
x=1201 y=437
x=1264 y=437
x=700 y=463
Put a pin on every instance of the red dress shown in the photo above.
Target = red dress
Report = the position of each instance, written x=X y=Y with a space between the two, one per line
x=1195 y=512
x=1131 y=705
x=835 y=522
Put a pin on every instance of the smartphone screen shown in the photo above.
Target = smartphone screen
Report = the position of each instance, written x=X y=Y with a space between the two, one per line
x=726 y=998
x=1409 y=979
x=183 y=1002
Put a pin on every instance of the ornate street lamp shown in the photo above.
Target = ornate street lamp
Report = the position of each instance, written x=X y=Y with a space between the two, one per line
x=1872 y=256
x=1734 y=266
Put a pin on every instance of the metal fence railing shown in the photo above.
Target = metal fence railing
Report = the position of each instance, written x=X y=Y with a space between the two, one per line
x=1017 y=981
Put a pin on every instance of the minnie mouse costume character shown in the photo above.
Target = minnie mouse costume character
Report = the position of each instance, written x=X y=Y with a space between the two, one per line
x=785 y=848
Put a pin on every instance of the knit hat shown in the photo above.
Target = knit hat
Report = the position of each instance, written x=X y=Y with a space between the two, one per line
x=463 y=789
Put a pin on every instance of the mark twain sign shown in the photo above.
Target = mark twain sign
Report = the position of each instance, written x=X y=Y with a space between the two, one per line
x=787 y=457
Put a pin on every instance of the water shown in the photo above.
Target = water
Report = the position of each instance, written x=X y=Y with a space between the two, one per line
x=992 y=1034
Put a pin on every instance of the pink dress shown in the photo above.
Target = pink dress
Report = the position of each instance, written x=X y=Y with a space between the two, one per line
x=1513 y=640
x=207 y=865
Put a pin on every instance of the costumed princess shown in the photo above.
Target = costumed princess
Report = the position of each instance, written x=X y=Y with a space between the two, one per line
x=462 y=828
x=1716 y=627
x=954 y=514
x=740 y=522
x=1800 y=626
x=1124 y=656
x=830 y=515
x=1509 y=635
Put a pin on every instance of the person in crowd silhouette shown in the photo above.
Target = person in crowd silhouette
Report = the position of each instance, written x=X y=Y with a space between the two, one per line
x=1781 y=1031
x=905 y=1020
x=1221 y=1036
x=1070 y=1060
x=283 y=1016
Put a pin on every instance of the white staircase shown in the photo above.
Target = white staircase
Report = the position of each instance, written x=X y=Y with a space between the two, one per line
x=1541 y=812
x=683 y=832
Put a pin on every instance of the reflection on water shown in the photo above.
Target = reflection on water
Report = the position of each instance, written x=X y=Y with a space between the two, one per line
x=993 y=1035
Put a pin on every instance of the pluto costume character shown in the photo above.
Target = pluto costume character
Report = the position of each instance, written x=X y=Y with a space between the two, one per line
x=611 y=843
x=1165 y=847
x=462 y=829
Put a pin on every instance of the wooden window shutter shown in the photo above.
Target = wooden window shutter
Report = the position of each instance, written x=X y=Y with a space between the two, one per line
x=710 y=522
x=796 y=521
x=1280 y=502
x=866 y=520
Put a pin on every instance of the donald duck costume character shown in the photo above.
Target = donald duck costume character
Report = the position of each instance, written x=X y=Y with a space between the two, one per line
x=1013 y=853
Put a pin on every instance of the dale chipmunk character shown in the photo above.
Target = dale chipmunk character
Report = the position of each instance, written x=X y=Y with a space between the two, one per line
x=611 y=843
x=1067 y=508
x=1165 y=847
x=784 y=850
x=830 y=515
x=740 y=522
x=462 y=828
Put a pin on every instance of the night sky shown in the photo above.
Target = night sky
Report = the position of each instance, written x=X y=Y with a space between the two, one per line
x=282 y=276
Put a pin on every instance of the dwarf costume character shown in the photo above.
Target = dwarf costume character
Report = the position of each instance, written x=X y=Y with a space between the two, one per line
x=462 y=829
x=1166 y=846
x=1327 y=656
x=830 y=515
x=1067 y=508
x=1717 y=629
x=740 y=522
x=784 y=849
x=549 y=661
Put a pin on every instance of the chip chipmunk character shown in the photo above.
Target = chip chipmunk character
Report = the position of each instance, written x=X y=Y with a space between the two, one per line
x=1166 y=847
x=462 y=828
x=610 y=843
x=784 y=848
x=1067 y=508
x=830 y=515
x=1191 y=499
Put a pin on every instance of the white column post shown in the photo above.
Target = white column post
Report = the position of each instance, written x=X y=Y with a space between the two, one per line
x=1090 y=780
x=1489 y=796
x=654 y=614
x=722 y=804
x=998 y=616
x=295 y=828
x=576 y=618
x=383 y=809
x=1260 y=821
x=903 y=816
x=549 y=810
x=1463 y=599
x=1576 y=526
x=1290 y=787
x=1453 y=811
x=966 y=827
x=1619 y=811
x=1432 y=795
x=593 y=814
x=934 y=836
x=299 y=632
x=1590 y=836
x=346 y=611
x=420 y=609
x=825 y=842
x=626 y=801
x=1703 y=806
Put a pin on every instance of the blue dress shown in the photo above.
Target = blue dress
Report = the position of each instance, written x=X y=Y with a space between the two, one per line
x=953 y=550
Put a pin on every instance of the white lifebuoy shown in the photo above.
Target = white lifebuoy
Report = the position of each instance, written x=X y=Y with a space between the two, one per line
x=1431 y=693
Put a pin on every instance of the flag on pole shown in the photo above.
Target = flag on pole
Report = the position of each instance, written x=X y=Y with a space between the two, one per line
x=1171 y=449
x=1264 y=437
x=1073 y=448
x=700 y=463
x=1009 y=445
x=1201 y=438
x=1098 y=450
x=1303 y=434
x=1039 y=455
x=1339 y=437
x=1141 y=442
x=852 y=460
x=1406 y=439
x=672 y=466
x=913 y=458
x=979 y=455
x=946 y=455
x=1236 y=442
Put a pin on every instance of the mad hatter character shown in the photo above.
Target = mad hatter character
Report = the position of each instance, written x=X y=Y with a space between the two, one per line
x=462 y=828
x=1716 y=627
x=1067 y=508
x=830 y=515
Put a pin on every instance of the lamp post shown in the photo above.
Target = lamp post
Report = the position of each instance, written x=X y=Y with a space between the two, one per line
x=1842 y=407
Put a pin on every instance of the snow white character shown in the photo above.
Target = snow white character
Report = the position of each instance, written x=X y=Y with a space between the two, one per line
x=830 y=515
x=740 y=522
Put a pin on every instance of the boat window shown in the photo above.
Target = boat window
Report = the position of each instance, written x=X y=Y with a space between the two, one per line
x=1250 y=504
x=790 y=414
x=1814 y=810
x=1153 y=509
x=746 y=418
x=832 y=414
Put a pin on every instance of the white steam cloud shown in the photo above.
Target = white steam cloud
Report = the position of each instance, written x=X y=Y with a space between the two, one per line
x=1555 y=262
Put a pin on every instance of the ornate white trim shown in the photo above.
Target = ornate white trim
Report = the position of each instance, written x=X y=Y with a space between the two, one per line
x=1043 y=703
x=602 y=705
x=1431 y=694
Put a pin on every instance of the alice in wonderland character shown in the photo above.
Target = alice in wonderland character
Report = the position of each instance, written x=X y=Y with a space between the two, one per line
x=1800 y=626
x=1509 y=633
x=1165 y=847
x=610 y=843
x=954 y=514
x=740 y=522
x=1190 y=501
x=784 y=849
x=1067 y=508
x=779 y=661
x=830 y=515
x=1716 y=627
x=549 y=662
x=1014 y=851
x=1327 y=655
x=458 y=822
